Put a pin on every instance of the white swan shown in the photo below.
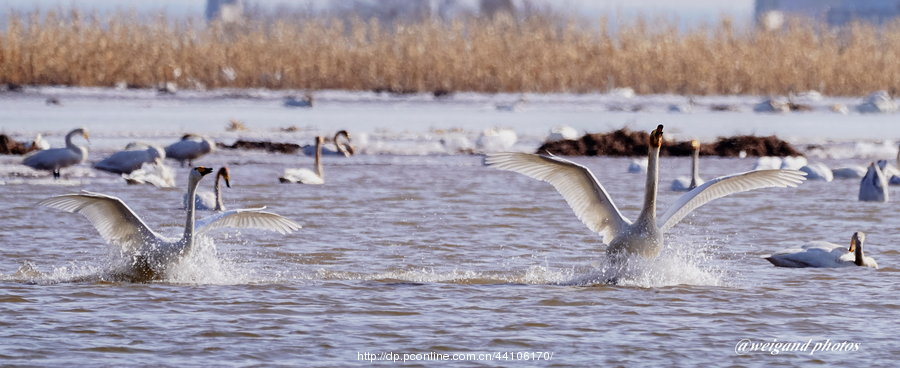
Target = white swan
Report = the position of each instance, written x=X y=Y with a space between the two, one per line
x=874 y=186
x=768 y=163
x=637 y=166
x=496 y=139
x=877 y=102
x=818 y=171
x=307 y=176
x=594 y=207
x=151 y=253
x=825 y=255
x=345 y=149
x=37 y=144
x=155 y=173
x=891 y=173
x=562 y=133
x=211 y=201
x=683 y=184
x=132 y=158
x=55 y=159
x=189 y=148
x=849 y=172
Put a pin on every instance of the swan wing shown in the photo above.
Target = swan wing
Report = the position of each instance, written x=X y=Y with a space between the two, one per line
x=576 y=183
x=247 y=218
x=112 y=218
x=727 y=185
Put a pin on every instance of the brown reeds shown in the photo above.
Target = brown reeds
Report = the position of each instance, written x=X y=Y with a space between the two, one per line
x=500 y=55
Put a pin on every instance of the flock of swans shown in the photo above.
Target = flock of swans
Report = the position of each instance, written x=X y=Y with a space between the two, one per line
x=151 y=254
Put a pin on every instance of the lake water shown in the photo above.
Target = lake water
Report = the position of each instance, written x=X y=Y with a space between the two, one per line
x=418 y=254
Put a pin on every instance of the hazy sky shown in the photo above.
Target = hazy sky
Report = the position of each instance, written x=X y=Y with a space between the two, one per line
x=689 y=11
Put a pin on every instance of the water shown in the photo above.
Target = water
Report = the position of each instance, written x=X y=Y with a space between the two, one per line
x=419 y=254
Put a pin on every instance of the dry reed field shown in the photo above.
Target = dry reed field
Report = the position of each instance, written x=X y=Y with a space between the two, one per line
x=536 y=54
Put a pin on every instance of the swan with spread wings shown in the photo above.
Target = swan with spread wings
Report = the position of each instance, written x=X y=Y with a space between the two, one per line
x=150 y=252
x=595 y=208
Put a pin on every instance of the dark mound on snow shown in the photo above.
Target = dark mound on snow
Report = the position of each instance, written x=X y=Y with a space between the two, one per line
x=9 y=146
x=262 y=145
x=624 y=142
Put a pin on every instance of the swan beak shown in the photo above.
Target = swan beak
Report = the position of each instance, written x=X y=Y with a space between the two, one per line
x=203 y=170
x=852 y=245
x=86 y=136
x=695 y=144
x=656 y=136
x=227 y=179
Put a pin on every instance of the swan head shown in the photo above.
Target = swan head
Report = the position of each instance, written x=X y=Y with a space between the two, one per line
x=695 y=144
x=856 y=242
x=224 y=173
x=198 y=173
x=83 y=132
x=320 y=139
x=656 y=137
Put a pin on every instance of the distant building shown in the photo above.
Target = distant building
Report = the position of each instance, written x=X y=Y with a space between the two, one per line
x=228 y=11
x=771 y=14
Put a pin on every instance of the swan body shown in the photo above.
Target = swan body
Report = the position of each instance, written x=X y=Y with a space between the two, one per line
x=595 y=208
x=891 y=173
x=57 y=158
x=305 y=101
x=684 y=184
x=563 y=133
x=818 y=171
x=189 y=148
x=822 y=254
x=874 y=185
x=496 y=139
x=849 y=172
x=340 y=148
x=155 y=173
x=211 y=201
x=772 y=105
x=793 y=162
x=768 y=163
x=307 y=176
x=877 y=102
x=151 y=253
x=132 y=158
x=638 y=166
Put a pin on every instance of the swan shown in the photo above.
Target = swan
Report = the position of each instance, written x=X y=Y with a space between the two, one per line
x=877 y=102
x=891 y=173
x=849 y=172
x=768 y=163
x=151 y=254
x=512 y=106
x=562 y=133
x=307 y=176
x=132 y=158
x=637 y=166
x=793 y=162
x=211 y=201
x=306 y=101
x=57 y=158
x=874 y=186
x=341 y=148
x=818 y=171
x=190 y=147
x=37 y=144
x=594 y=207
x=155 y=173
x=684 y=184
x=496 y=139
x=825 y=255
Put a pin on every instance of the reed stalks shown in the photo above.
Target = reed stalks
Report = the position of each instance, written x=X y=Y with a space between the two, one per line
x=535 y=54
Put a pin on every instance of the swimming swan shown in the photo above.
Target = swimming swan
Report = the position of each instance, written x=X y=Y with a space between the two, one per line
x=874 y=185
x=131 y=158
x=345 y=149
x=211 y=201
x=150 y=252
x=189 y=148
x=55 y=159
x=594 y=207
x=825 y=255
x=684 y=184
x=307 y=176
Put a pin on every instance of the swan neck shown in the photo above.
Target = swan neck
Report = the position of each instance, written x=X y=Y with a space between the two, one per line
x=69 y=143
x=695 y=169
x=217 y=189
x=189 y=223
x=319 y=159
x=860 y=258
x=648 y=213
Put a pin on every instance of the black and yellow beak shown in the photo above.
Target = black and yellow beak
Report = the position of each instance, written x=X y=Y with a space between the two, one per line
x=852 y=245
x=226 y=174
x=203 y=170
x=656 y=136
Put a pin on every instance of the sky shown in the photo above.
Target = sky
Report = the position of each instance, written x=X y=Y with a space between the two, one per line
x=688 y=12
